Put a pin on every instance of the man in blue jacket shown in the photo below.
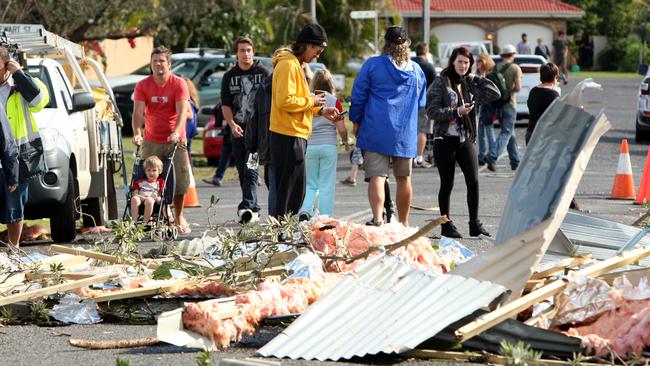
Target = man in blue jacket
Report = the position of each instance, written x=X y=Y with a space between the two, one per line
x=386 y=97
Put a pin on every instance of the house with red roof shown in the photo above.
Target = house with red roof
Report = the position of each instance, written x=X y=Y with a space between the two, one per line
x=502 y=21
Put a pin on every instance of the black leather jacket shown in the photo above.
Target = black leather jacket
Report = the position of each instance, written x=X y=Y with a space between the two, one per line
x=479 y=90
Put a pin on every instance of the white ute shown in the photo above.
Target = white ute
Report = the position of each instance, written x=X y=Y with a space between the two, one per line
x=81 y=132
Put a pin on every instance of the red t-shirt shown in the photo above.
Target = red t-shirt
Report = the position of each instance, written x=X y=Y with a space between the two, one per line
x=149 y=188
x=160 y=106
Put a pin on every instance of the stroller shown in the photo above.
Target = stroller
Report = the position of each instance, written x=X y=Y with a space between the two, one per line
x=162 y=226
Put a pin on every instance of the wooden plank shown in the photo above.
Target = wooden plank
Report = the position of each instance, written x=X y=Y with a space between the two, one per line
x=495 y=317
x=54 y=289
x=95 y=255
x=548 y=313
x=10 y=280
x=561 y=266
x=140 y=292
x=65 y=274
x=479 y=357
x=67 y=260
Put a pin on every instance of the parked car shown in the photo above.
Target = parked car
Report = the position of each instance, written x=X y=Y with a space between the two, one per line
x=643 y=106
x=530 y=65
x=212 y=138
x=197 y=68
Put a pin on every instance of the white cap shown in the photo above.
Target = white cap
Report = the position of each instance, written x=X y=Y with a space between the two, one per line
x=508 y=49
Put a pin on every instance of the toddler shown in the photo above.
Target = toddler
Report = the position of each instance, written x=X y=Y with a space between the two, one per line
x=148 y=190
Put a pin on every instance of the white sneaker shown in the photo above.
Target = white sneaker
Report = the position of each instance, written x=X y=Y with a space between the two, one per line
x=247 y=215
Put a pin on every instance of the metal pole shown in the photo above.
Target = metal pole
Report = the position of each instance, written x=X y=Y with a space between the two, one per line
x=376 y=33
x=313 y=11
x=426 y=21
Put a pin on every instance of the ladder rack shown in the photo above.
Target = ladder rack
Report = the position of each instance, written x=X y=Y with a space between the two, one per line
x=44 y=43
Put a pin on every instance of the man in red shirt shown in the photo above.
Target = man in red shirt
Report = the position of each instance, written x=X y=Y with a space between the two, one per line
x=160 y=107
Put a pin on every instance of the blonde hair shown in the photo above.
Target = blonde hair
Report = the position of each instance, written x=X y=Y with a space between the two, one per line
x=487 y=61
x=153 y=162
x=194 y=94
x=398 y=52
x=322 y=80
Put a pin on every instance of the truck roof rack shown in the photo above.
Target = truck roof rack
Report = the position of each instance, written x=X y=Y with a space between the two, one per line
x=41 y=42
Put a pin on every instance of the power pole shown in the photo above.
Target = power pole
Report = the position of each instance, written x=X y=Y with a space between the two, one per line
x=426 y=21
x=313 y=10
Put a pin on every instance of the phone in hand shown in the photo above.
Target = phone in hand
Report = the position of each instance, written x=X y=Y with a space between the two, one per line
x=343 y=113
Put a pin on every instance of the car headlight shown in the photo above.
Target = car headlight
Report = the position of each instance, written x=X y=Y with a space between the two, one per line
x=50 y=138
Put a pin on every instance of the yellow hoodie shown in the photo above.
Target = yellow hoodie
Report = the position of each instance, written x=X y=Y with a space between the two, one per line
x=292 y=108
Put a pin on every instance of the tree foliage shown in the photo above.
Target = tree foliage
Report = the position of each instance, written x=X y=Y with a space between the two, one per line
x=612 y=18
x=204 y=23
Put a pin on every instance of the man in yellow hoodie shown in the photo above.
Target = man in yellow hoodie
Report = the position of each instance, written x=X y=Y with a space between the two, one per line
x=292 y=110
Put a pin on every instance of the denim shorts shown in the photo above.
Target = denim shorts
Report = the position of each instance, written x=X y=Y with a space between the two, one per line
x=12 y=204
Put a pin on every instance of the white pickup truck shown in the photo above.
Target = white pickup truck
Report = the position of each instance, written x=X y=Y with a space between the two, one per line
x=81 y=133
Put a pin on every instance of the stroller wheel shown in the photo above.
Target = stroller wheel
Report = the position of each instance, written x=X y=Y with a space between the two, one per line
x=174 y=232
x=158 y=233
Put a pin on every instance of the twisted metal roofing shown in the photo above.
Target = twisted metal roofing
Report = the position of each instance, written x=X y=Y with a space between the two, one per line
x=384 y=306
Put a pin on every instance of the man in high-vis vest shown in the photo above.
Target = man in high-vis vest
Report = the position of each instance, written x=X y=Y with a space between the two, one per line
x=20 y=96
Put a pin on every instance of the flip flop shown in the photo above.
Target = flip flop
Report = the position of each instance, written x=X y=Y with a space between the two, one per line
x=184 y=229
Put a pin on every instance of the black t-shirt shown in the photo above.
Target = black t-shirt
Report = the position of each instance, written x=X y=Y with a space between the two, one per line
x=559 y=46
x=238 y=89
x=538 y=100
x=427 y=67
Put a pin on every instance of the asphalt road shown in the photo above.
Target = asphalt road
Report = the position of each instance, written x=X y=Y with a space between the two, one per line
x=31 y=345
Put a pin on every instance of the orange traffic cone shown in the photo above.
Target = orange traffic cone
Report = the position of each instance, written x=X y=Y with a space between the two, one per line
x=191 y=197
x=623 y=188
x=644 y=188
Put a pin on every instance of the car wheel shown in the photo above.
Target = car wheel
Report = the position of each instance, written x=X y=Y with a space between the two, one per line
x=63 y=223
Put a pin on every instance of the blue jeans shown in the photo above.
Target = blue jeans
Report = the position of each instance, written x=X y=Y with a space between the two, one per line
x=486 y=139
x=224 y=159
x=320 y=162
x=507 y=138
x=12 y=204
x=247 y=177
x=269 y=178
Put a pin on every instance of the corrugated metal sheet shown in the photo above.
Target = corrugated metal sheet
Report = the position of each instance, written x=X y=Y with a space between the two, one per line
x=540 y=194
x=384 y=306
x=602 y=238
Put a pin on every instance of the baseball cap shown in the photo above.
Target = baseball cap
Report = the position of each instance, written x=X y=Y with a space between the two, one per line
x=314 y=34
x=396 y=34
x=508 y=49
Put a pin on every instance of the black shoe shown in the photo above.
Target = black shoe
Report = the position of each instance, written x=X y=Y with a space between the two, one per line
x=490 y=164
x=481 y=162
x=449 y=231
x=374 y=222
x=476 y=229
x=389 y=212
x=514 y=167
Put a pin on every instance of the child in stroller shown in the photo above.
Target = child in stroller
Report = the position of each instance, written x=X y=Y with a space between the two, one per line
x=154 y=175
x=148 y=191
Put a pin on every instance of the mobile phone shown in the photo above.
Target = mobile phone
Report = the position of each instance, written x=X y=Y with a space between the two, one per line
x=343 y=113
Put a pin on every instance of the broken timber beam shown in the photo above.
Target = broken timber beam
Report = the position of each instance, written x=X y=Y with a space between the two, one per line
x=510 y=309
x=95 y=255
x=561 y=266
x=54 y=289
x=139 y=292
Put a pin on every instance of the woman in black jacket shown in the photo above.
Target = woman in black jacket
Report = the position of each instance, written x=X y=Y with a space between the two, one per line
x=451 y=102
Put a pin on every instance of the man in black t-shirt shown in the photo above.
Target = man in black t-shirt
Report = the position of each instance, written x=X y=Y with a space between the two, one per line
x=559 y=53
x=238 y=88
x=424 y=123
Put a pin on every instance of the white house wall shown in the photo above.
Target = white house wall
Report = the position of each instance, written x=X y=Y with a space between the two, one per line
x=458 y=32
x=512 y=34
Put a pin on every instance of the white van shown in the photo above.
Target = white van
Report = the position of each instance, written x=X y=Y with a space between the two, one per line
x=476 y=47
